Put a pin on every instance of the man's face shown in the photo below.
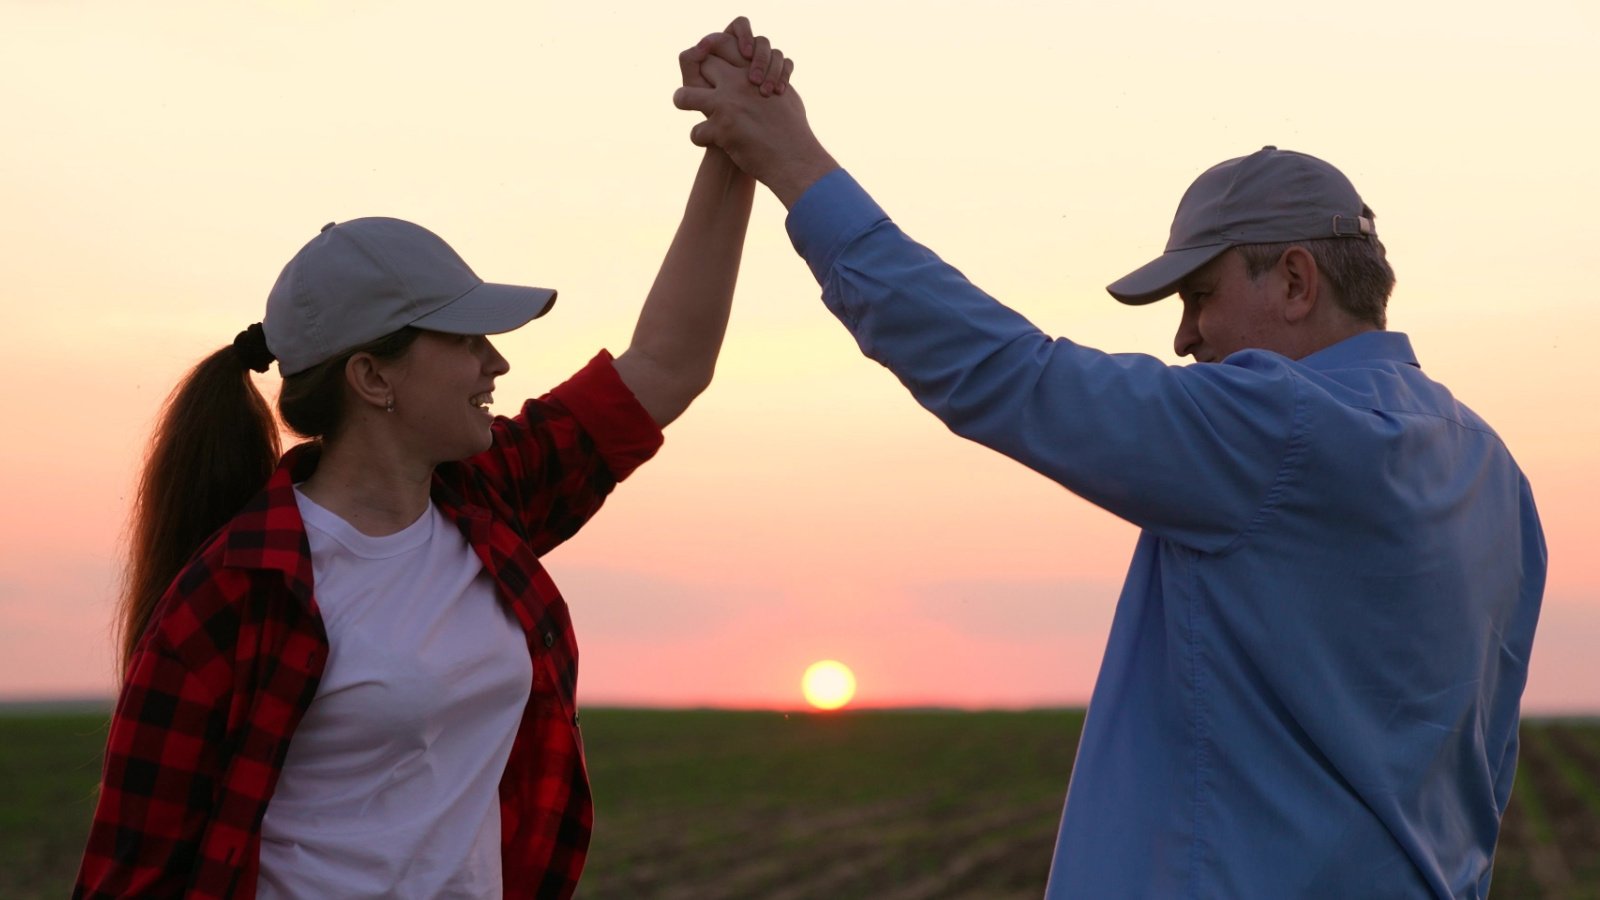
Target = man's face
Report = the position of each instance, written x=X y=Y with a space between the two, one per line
x=1225 y=311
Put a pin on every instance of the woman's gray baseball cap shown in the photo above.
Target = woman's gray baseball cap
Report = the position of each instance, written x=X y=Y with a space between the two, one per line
x=362 y=279
x=1267 y=197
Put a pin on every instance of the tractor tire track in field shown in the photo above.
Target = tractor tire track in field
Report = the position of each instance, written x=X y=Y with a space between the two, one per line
x=1520 y=839
x=1585 y=770
x=909 y=806
x=1577 y=816
x=955 y=851
x=1528 y=855
x=1539 y=777
x=755 y=845
x=982 y=863
x=900 y=849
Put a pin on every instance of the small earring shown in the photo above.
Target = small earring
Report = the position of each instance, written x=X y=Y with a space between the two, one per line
x=388 y=405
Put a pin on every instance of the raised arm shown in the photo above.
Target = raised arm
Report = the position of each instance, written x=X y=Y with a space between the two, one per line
x=679 y=335
x=1187 y=454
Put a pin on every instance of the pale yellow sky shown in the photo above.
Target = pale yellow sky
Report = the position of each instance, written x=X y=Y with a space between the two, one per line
x=164 y=159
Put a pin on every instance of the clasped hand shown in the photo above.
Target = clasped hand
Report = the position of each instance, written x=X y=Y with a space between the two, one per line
x=764 y=65
x=741 y=83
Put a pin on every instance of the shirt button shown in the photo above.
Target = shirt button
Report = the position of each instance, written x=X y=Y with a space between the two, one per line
x=549 y=639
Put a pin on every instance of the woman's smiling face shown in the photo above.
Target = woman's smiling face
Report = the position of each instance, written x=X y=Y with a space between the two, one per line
x=442 y=390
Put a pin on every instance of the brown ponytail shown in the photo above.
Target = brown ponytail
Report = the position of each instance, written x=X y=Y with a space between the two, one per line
x=214 y=447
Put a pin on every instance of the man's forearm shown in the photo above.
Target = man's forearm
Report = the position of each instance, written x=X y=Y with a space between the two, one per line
x=789 y=177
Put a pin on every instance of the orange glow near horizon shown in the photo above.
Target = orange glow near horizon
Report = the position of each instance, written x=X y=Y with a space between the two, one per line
x=170 y=158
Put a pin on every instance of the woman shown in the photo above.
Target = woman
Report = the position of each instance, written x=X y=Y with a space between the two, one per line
x=327 y=682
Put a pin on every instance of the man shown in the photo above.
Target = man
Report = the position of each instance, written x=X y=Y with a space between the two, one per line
x=1312 y=680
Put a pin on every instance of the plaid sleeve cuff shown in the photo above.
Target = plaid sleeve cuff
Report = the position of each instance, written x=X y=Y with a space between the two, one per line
x=623 y=432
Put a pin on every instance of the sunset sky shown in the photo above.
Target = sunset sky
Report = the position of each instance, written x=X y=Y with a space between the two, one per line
x=163 y=160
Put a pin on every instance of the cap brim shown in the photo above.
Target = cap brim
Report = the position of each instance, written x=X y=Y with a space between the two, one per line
x=489 y=309
x=1160 y=277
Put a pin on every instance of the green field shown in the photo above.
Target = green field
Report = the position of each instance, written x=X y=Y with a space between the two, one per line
x=708 y=804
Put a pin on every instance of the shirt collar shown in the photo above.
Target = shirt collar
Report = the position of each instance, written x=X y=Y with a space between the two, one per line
x=259 y=536
x=1368 y=346
x=250 y=544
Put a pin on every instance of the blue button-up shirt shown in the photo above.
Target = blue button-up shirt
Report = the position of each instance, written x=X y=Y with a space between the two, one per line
x=1312 y=681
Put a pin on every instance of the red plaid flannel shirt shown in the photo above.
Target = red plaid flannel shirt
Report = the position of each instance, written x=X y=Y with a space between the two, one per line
x=236 y=648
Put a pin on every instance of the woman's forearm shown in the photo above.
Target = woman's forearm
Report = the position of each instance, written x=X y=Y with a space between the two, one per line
x=685 y=316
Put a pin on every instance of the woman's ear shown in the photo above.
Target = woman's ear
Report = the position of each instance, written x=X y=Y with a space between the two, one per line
x=369 y=381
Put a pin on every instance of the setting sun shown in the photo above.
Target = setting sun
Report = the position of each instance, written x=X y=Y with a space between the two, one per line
x=828 y=684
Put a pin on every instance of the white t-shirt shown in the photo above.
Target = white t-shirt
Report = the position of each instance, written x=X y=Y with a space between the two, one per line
x=391 y=785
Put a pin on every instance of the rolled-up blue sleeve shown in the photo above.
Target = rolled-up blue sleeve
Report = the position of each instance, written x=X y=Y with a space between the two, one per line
x=1189 y=452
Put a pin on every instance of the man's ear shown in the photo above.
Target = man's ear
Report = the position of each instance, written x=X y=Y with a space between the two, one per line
x=369 y=381
x=1301 y=284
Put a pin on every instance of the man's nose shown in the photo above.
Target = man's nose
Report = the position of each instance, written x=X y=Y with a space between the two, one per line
x=1188 y=336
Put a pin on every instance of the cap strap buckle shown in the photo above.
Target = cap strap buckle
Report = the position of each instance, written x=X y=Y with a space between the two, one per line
x=1353 y=226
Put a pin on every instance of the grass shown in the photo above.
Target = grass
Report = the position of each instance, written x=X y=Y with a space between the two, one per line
x=1578 y=762
x=49 y=768
x=721 y=804
x=1558 y=762
x=882 y=804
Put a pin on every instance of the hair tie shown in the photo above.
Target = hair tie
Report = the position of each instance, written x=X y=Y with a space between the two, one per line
x=251 y=345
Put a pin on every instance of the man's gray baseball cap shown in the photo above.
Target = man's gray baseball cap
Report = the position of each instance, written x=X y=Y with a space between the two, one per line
x=362 y=279
x=1268 y=197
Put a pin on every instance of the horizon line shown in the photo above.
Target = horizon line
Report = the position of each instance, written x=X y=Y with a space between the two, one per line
x=20 y=703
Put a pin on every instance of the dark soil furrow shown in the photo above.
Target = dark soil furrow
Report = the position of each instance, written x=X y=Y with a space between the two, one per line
x=1549 y=854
